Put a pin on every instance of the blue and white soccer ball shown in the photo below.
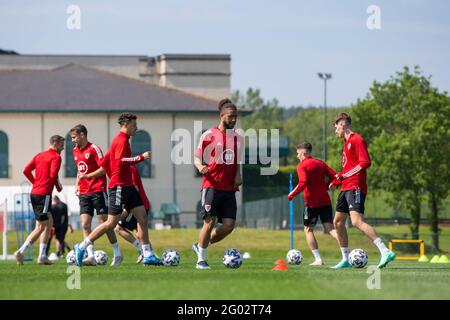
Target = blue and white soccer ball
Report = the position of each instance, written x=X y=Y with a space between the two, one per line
x=101 y=257
x=358 y=258
x=294 y=256
x=232 y=258
x=71 y=258
x=170 y=258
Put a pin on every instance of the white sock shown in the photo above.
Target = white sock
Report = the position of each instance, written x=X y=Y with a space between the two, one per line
x=116 y=249
x=42 y=249
x=201 y=254
x=345 y=252
x=146 y=251
x=381 y=246
x=85 y=243
x=24 y=246
x=137 y=244
x=90 y=250
x=316 y=254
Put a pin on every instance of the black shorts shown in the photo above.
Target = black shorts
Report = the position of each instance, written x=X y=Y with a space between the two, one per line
x=60 y=232
x=218 y=203
x=42 y=205
x=121 y=198
x=311 y=215
x=351 y=200
x=129 y=222
x=97 y=201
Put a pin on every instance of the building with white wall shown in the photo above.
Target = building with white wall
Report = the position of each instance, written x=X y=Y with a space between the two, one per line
x=45 y=95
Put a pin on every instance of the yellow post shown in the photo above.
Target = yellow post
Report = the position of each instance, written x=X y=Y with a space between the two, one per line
x=421 y=250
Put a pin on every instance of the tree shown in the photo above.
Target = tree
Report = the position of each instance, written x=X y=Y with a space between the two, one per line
x=405 y=121
x=265 y=115
x=396 y=173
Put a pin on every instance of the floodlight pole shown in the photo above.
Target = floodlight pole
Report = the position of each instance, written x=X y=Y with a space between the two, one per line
x=324 y=77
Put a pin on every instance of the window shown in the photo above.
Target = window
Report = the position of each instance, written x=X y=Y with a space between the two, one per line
x=71 y=167
x=140 y=143
x=4 y=164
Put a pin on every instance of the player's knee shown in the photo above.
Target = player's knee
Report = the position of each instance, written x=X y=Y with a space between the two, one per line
x=230 y=224
x=41 y=226
x=208 y=222
x=86 y=226
x=338 y=223
x=357 y=223
x=228 y=228
x=309 y=229
x=110 y=225
x=327 y=228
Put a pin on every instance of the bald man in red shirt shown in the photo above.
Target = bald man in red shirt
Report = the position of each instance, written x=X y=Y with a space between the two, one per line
x=46 y=166
x=314 y=177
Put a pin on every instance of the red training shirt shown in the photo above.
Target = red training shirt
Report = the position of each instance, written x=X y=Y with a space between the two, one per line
x=355 y=161
x=311 y=180
x=120 y=161
x=88 y=160
x=46 y=165
x=220 y=152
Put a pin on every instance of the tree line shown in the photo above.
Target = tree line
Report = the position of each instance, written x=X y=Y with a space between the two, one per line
x=406 y=124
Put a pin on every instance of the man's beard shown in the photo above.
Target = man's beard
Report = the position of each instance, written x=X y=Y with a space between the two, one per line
x=228 y=125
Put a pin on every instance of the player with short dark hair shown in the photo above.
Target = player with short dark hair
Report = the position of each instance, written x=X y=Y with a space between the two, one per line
x=217 y=158
x=353 y=181
x=46 y=166
x=122 y=193
x=128 y=222
x=312 y=175
x=91 y=192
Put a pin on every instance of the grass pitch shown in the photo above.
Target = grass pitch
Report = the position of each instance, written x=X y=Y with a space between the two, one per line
x=254 y=280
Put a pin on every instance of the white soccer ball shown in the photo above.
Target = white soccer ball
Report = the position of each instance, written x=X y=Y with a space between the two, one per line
x=101 y=257
x=358 y=258
x=170 y=258
x=294 y=256
x=71 y=258
x=232 y=258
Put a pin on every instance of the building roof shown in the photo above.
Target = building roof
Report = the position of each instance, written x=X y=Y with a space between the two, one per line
x=171 y=56
x=75 y=88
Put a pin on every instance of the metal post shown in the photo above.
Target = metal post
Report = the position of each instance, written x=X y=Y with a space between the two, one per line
x=324 y=77
x=291 y=213
x=325 y=123
x=5 y=230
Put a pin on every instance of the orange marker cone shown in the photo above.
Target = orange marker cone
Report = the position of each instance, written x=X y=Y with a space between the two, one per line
x=280 y=267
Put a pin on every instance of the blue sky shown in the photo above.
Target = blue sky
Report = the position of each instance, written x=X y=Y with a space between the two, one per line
x=277 y=46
